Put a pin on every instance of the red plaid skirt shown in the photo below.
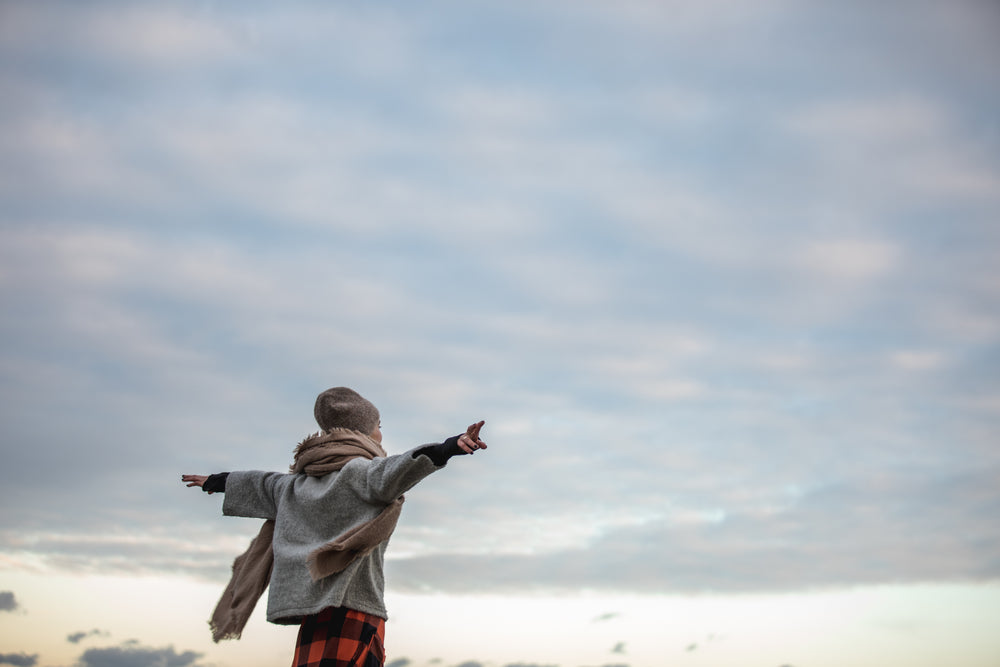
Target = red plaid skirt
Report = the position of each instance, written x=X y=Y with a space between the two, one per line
x=339 y=637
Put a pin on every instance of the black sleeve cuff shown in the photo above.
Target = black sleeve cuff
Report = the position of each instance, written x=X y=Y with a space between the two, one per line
x=440 y=453
x=215 y=483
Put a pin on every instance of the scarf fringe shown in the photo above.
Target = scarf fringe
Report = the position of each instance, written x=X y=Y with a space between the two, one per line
x=250 y=578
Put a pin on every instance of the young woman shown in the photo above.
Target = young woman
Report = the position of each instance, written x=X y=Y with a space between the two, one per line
x=327 y=524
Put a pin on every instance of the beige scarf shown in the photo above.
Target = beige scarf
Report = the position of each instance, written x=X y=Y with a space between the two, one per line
x=317 y=455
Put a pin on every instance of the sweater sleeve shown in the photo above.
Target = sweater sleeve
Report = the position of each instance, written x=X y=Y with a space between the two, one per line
x=384 y=479
x=252 y=493
x=440 y=453
x=215 y=483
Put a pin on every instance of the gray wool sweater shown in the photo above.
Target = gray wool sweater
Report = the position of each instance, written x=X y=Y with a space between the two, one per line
x=309 y=512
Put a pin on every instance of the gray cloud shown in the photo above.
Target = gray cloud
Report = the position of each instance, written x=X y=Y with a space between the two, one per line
x=18 y=659
x=399 y=662
x=132 y=654
x=77 y=637
x=862 y=530
x=8 y=602
x=618 y=648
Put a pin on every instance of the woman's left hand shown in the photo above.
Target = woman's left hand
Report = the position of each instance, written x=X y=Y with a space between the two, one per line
x=469 y=441
x=195 y=480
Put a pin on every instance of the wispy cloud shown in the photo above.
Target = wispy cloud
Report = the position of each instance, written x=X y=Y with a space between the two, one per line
x=78 y=637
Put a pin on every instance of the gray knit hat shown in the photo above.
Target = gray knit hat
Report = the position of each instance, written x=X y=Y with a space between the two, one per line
x=341 y=407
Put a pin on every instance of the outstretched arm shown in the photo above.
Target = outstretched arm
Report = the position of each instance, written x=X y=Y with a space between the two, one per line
x=383 y=479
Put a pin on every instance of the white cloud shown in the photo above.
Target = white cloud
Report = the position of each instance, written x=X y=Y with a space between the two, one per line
x=848 y=259
x=157 y=35
x=889 y=122
x=501 y=111
x=919 y=360
x=687 y=20
x=152 y=35
x=961 y=321
x=904 y=149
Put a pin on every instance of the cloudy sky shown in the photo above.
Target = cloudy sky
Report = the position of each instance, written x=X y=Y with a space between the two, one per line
x=719 y=276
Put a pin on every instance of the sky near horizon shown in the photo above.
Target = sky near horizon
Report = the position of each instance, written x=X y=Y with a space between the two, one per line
x=721 y=277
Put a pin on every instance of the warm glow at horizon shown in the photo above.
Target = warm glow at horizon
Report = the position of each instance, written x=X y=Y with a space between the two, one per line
x=922 y=625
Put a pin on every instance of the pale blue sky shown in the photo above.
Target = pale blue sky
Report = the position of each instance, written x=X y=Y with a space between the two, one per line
x=720 y=276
